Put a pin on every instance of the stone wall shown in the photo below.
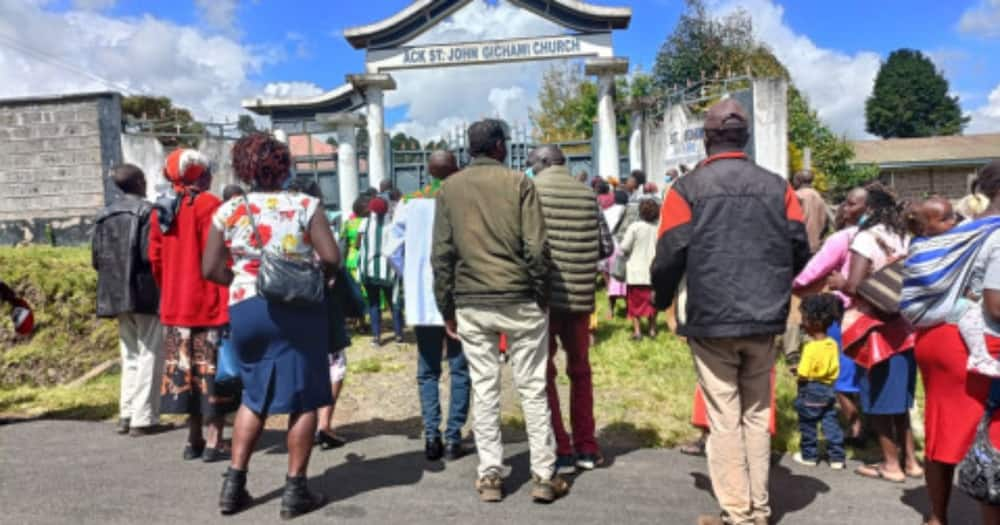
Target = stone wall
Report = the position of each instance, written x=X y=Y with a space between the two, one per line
x=53 y=153
x=915 y=183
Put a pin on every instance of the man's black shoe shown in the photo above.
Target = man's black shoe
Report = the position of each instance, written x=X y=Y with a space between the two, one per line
x=454 y=451
x=328 y=441
x=149 y=430
x=193 y=451
x=297 y=500
x=434 y=449
x=123 y=425
x=214 y=454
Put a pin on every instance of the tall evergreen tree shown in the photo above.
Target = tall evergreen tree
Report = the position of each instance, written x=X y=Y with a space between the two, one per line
x=910 y=99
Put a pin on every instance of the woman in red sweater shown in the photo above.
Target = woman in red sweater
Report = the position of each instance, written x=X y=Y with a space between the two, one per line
x=193 y=310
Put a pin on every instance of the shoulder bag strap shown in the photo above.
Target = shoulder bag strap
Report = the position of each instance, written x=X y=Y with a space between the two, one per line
x=253 y=223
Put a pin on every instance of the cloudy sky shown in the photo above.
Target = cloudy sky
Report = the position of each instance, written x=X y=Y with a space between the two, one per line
x=209 y=54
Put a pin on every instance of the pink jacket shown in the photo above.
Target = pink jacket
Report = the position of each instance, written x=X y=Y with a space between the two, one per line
x=834 y=255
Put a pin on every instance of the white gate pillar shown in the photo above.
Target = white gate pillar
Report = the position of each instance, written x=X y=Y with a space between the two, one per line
x=635 y=141
x=347 y=155
x=605 y=70
x=374 y=87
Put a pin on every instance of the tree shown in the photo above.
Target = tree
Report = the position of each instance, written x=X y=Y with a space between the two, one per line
x=246 y=125
x=831 y=154
x=910 y=99
x=567 y=104
x=702 y=47
x=173 y=126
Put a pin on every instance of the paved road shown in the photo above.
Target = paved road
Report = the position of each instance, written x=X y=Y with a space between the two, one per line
x=78 y=472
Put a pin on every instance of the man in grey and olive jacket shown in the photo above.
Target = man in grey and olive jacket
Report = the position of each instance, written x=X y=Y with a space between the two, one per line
x=127 y=291
x=572 y=222
x=491 y=266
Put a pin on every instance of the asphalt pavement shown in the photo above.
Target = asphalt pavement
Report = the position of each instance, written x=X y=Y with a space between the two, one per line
x=55 y=472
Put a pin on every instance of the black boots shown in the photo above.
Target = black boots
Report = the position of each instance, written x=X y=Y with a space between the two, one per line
x=234 y=497
x=297 y=500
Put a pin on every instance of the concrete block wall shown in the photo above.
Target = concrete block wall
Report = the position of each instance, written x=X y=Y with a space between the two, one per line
x=53 y=155
x=915 y=183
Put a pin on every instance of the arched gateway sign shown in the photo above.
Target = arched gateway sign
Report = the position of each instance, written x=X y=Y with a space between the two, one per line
x=385 y=44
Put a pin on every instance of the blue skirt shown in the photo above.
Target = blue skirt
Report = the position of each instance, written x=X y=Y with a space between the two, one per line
x=283 y=356
x=888 y=387
x=849 y=378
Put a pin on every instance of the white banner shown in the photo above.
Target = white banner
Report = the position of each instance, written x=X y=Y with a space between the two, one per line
x=684 y=139
x=491 y=52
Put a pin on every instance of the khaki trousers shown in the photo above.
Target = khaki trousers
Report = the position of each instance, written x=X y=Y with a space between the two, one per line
x=526 y=327
x=735 y=376
x=141 y=339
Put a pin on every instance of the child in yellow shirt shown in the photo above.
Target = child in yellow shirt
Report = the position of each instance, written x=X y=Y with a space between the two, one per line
x=817 y=371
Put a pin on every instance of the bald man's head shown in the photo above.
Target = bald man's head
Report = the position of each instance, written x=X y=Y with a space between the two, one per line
x=130 y=179
x=442 y=164
x=547 y=156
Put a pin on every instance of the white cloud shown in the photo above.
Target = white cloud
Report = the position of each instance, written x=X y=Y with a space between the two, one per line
x=439 y=100
x=218 y=14
x=836 y=83
x=292 y=90
x=94 y=5
x=981 y=20
x=147 y=55
x=986 y=119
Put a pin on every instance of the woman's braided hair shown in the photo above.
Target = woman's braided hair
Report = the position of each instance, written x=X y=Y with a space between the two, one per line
x=883 y=208
x=261 y=161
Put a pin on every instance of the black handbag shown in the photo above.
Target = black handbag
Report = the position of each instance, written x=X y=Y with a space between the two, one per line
x=283 y=280
x=979 y=471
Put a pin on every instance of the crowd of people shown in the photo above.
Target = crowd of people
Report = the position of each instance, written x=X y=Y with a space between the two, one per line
x=490 y=265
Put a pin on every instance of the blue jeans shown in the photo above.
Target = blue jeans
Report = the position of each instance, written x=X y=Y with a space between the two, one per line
x=816 y=405
x=430 y=341
x=375 y=310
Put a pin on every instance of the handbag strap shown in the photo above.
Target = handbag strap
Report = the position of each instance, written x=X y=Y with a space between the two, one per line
x=253 y=223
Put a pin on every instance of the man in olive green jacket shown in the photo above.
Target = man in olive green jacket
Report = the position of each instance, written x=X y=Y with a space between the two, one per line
x=572 y=222
x=491 y=265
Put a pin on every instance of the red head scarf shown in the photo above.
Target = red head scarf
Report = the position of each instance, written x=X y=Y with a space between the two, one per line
x=184 y=167
x=378 y=206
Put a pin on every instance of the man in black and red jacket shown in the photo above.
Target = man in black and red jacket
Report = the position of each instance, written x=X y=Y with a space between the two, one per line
x=735 y=230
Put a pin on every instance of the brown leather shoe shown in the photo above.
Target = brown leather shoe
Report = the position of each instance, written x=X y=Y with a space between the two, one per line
x=710 y=519
x=549 y=490
x=490 y=488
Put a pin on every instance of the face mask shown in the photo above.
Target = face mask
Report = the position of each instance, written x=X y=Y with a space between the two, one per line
x=530 y=173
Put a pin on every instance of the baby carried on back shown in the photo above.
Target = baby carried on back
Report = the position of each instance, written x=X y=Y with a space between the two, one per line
x=944 y=284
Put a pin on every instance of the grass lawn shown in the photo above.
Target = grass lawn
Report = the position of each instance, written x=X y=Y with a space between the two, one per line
x=644 y=389
x=96 y=400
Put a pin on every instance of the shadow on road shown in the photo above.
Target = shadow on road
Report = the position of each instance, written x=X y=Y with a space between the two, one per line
x=962 y=509
x=790 y=492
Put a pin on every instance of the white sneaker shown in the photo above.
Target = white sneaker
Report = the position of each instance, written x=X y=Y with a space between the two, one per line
x=797 y=457
x=837 y=465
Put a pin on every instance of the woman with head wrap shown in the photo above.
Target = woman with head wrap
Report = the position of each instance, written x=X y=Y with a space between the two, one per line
x=192 y=309
x=282 y=347
x=376 y=272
